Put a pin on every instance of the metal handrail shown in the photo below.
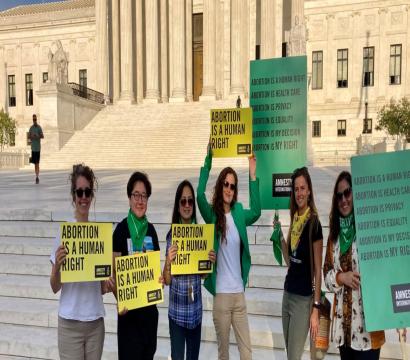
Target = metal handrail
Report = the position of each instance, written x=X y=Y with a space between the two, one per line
x=87 y=93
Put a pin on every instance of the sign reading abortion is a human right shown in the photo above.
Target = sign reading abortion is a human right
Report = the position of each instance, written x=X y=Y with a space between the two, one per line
x=278 y=97
x=137 y=279
x=89 y=251
x=231 y=132
x=194 y=242
x=381 y=190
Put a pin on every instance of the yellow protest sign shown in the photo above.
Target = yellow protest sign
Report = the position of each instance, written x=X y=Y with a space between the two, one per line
x=89 y=251
x=137 y=279
x=194 y=242
x=231 y=132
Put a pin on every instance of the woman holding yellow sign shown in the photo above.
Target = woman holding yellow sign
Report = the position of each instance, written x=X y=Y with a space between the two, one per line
x=137 y=328
x=185 y=296
x=81 y=310
x=229 y=277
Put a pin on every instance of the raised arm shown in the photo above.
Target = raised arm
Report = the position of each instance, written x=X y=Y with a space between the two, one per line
x=203 y=205
x=254 y=212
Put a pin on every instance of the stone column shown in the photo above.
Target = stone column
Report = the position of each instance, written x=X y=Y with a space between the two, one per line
x=164 y=51
x=178 y=51
x=330 y=57
x=101 y=11
x=20 y=86
x=406 y=77
x=298 y=10
x=3 y=81
x=209 y=36
x=384 y=53
x=127 y=93
x=151 y=51
x=268 y=26
x=139 y=16
x=356 y=71
x=236 y=53
x=116 y=72
x=72 y=71
x=188 y=35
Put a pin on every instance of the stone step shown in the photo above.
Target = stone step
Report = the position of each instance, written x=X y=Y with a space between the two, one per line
x=35 y=343
x=257 y=234
x=260 y=276
x=261 y=254
x=266 y=332
x=259 y=301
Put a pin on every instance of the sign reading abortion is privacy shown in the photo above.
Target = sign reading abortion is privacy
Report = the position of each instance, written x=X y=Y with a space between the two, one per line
x=381 y=190
x=89 y=251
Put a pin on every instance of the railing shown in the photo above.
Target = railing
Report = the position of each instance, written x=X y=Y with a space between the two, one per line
x=86 y=93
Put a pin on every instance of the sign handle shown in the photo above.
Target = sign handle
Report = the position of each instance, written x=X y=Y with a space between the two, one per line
x=403 y=344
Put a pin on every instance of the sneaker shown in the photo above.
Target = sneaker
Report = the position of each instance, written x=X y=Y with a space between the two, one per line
x=37 y=180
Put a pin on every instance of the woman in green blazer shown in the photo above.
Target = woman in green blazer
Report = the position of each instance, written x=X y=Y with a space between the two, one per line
x=230 y=274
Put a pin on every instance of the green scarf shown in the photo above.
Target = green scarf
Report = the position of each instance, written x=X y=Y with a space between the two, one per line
x=138 y=229
x=347 y=232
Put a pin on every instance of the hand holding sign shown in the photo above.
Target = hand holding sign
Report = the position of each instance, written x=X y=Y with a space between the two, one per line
x=212 y=256
x=61 y=253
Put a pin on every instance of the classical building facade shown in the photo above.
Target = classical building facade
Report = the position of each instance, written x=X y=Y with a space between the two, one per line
x=136 y=51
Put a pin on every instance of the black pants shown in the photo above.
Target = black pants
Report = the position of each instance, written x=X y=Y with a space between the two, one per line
x=347 y=353
x=181 y=336
x=137 y=334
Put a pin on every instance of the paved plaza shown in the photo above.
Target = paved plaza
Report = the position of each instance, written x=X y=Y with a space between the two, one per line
x=18 y=192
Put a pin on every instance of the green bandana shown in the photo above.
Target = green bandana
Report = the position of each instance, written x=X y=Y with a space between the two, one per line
x=347 y=232
x=138 y=229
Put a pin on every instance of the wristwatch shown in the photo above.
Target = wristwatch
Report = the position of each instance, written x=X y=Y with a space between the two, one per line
x=317 y=305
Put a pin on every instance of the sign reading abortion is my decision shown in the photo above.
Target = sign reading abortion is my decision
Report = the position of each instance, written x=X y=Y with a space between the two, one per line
x=278 y=96
x=194 y=242
x=231 y=132
x=89 y=251
x=137 y=279
x=381 y=190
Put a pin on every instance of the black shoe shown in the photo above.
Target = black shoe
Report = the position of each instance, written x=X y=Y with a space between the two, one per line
x=37 y=180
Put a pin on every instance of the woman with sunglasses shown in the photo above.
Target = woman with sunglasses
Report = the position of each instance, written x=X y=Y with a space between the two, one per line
x=136 y=329
x=81 y=310
x=341 y=274
x=304 y=241
x=230 y=275
x=185 y=297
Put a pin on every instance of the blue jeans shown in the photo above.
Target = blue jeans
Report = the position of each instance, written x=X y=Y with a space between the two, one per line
x=179 y=335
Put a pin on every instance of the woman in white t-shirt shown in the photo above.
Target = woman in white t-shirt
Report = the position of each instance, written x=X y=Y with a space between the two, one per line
x=230 y=274
x=81 y=310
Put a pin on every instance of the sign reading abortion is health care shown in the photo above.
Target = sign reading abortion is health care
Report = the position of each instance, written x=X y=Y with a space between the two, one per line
x=278 y=97
x=381 y=190
x=231 y=132
x=137 y=279
x=194 y=242
x=89 y=251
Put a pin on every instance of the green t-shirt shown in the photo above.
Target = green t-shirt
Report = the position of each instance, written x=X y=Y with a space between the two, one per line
x=35 y=143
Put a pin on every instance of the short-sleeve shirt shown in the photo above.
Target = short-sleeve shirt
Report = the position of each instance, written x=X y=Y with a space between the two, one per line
x=35 y=143
x=81 y=301
x=298 y=280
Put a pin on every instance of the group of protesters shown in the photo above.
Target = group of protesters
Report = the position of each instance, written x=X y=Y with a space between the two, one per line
x=81 y=311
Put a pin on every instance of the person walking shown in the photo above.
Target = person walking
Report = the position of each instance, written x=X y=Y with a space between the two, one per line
x=35 y=134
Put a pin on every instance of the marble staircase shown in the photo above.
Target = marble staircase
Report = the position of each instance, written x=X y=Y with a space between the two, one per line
x=168 y=135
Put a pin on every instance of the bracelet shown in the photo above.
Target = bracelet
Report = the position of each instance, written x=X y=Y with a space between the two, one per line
x=317 y=305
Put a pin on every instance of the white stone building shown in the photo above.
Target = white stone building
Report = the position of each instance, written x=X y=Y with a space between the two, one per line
x=137 y=51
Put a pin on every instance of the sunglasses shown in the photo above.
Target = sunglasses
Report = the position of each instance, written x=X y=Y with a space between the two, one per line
x=346 y=193
x=80 y=192
x=185 y=201
x=229 y=185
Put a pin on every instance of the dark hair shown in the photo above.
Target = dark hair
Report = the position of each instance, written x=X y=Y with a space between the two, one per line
x=303 y=171
x=334 y=216
x=218 y=202
x=135 y=177
x=85 y=171
x=175 y=213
